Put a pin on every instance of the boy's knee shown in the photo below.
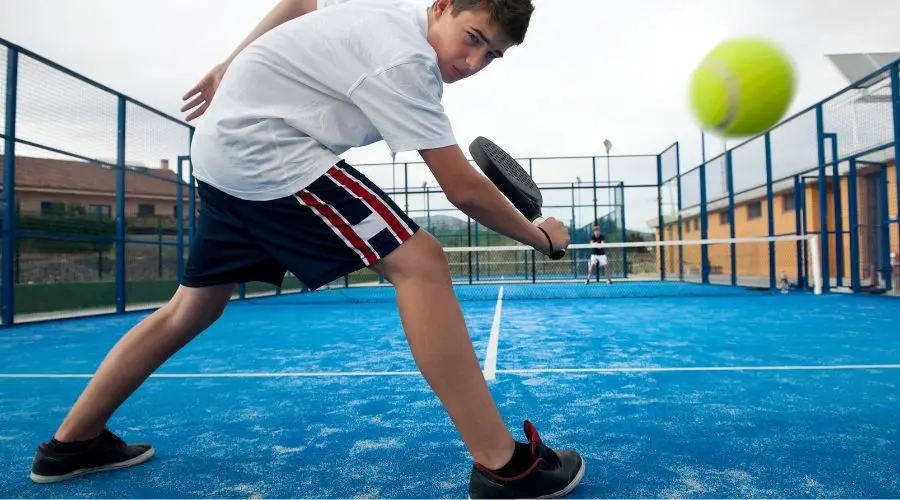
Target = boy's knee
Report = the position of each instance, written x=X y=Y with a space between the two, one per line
x=421 y=257
x=194 y=309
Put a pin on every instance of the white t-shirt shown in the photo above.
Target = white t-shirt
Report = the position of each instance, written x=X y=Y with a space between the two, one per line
x=349 y=74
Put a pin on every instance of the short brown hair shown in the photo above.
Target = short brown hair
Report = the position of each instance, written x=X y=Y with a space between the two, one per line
x=511 y=16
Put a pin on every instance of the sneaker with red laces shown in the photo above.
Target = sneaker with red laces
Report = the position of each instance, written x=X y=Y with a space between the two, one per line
x=554 y=474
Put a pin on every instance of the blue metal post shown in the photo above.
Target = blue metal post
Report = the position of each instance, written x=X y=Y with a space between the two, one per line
x=704 y=228
x=805 y=222
x=179 y=216
x=120 y=208
x=678 y=204
x=838 y=212
x=9 y=189
x=624 y=231
x=885 y=229
x=823 y=199
x=895 y=100
x=798 y=197
x=572 y=236
x=770 y=209
x=662 y=232
x=594 y=183
x=730 y=180
x=854 y=227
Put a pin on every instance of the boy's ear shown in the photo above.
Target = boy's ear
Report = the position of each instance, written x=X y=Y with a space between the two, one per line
x=442 y=7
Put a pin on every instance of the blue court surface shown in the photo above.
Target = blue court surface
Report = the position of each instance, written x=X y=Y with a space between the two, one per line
x=671 y=394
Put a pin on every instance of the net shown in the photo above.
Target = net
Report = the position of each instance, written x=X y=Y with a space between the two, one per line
x=642 y=269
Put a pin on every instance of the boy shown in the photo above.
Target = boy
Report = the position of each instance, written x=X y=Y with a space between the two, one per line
x=598 y=255
x=310 y=82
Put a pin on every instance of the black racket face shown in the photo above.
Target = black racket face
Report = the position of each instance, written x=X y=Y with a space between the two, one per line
x=510 y=178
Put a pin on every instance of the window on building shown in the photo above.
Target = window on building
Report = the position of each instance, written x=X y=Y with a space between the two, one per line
x=100 y=211
x=787 y=202
x=754 y=210
x=724 y=218
x=145 y=209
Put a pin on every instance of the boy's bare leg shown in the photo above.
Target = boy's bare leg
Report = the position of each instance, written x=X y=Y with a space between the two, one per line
x=440 y=343
x=139 y=353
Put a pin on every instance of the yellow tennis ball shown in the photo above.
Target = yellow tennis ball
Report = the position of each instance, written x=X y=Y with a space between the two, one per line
x=742 y=87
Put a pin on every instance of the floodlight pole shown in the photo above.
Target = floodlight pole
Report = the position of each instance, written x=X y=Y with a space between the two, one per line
x=608 y=145
x=393 y=172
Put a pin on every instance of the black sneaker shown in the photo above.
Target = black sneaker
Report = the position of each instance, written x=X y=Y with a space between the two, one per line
x=554 y=474
x=106 y=452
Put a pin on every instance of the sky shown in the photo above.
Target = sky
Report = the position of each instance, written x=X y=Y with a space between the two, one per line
x=589 y=70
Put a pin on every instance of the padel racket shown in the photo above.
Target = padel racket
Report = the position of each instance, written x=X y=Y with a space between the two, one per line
x=512 y=180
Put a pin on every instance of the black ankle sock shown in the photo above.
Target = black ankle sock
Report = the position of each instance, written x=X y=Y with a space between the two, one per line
x=521 y=460
x=70 y=446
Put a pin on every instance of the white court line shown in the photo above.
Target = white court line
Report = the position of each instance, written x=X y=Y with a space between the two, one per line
x=490 y=359
x=623 y=369
x=637 y=369
x=222 y=375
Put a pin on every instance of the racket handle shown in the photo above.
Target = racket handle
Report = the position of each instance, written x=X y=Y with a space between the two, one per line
x=557 y=254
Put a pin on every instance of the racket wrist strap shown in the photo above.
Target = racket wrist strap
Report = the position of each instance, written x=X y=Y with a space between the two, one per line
x=549 y=241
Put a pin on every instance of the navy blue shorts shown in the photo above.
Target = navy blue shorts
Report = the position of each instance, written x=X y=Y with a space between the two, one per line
x=340 y=223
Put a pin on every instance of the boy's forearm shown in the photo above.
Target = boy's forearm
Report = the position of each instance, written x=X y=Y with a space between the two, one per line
x=476 y=196
x=283 y=12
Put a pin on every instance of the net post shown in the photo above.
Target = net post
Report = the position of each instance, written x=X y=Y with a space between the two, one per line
x=731 y=228
x=704 y=228
x=854 y=226
x=9 y=189
x=120 y=207
x=770 y=208
x=816 y=263
x=659 y=215
x=823 y=195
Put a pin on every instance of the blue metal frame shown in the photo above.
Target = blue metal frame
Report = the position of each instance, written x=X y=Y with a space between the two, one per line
x=120 y=207
x=838 y=211
x=662 y=231
x=624 y=231
x=594 y=183
x=179 y=216
x=770 y=208
x=895 y=93
x=823 y=199
x=854 y=226
x=885 y=228
x=805 y=223
x=798 y=215
x=679 y=207
x=731 y=229
x=9 y=189
x=704 y=228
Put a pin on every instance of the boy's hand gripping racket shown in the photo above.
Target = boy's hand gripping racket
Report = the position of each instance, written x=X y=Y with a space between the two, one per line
x=513 y=181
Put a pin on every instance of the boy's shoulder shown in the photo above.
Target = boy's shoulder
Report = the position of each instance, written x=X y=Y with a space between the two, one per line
x=379 y=32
